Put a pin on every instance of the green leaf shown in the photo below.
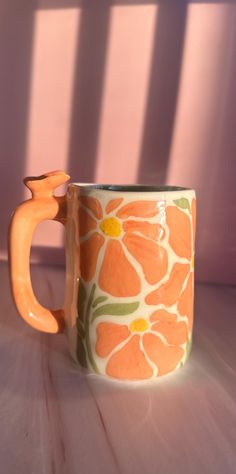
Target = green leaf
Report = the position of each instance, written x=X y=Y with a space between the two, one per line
x=80 y=328
x=87 y=335
x=188 y=347
x=182 y=203
x=99 y=300
x=82 y=295
x=116 y=309
x=81 y=353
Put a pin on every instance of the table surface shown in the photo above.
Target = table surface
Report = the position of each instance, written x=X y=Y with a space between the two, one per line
x=55 y=420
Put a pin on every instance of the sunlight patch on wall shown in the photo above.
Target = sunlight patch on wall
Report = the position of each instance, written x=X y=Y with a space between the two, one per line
x=55 y=39
x=200 y=98
x=125 y=92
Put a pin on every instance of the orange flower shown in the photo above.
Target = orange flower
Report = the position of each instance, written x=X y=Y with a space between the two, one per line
x=145 y=346
x=181 y=239
x=126 y=237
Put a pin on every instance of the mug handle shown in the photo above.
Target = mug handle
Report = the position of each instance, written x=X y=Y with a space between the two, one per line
x=42 y=206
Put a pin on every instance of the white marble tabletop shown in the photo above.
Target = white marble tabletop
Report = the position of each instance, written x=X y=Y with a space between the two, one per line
x=55 y=420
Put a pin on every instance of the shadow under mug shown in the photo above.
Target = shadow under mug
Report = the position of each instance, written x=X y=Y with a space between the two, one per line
x=128 y=311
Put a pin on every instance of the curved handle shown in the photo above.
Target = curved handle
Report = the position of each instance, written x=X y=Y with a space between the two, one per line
x=42 y=206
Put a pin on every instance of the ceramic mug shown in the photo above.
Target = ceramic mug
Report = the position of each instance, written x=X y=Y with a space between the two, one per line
x=128 y=310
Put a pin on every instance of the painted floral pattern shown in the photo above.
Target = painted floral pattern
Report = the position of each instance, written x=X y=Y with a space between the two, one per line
x=134 y=351
x=122 y=237
x=123 y=245
x=179 y=287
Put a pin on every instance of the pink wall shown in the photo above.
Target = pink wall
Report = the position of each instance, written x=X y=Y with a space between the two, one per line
x=133 y=92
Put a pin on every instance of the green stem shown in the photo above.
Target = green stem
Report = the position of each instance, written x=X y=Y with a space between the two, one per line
x=87 y=324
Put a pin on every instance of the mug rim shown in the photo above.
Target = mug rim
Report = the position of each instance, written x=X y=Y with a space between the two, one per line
x=131 y=188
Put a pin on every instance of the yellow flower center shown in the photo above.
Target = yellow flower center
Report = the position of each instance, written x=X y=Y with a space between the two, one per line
x=111 y=226
x=139 y=325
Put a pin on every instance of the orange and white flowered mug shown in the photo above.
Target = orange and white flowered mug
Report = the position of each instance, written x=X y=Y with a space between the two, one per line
x=128 y=310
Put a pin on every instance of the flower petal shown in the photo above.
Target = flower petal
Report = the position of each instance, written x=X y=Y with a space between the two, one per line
x=93 y=205
x=175 y=332
x=164 y=357
x=109 y=335
x=117 y=275
x=138 y=209
x=129 y=363
x=169 y=292
x=113 y=204
x=193 y=212
x=153 y=231
x=185 y=304
x=86 y=222
x=180 y=231
x=89 y=251
x=162 y=315
x=151 y=256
